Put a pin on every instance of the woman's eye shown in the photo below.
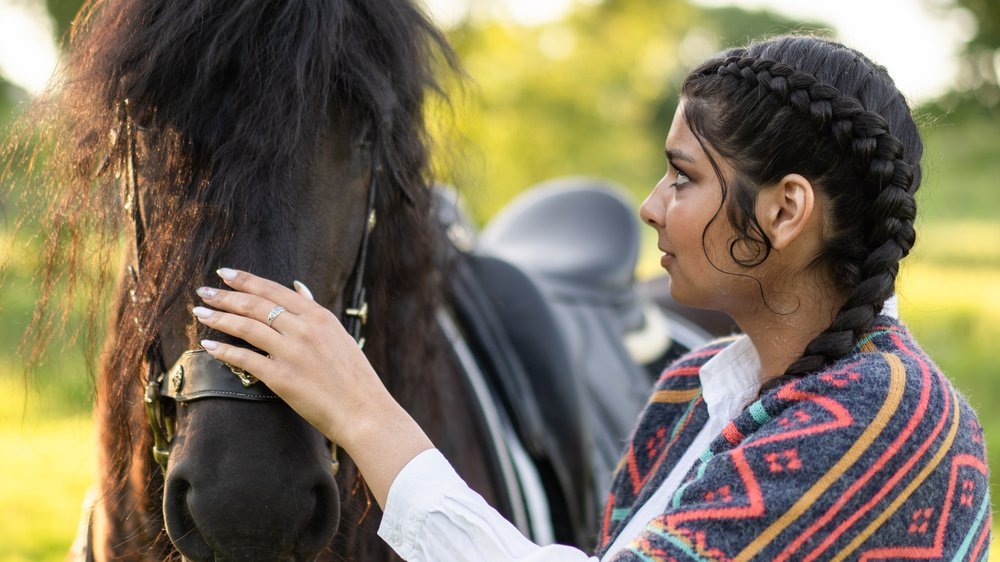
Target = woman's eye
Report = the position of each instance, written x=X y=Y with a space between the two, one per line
x=682 y=179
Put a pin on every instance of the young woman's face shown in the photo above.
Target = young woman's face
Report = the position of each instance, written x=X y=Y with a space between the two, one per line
x=680 y=208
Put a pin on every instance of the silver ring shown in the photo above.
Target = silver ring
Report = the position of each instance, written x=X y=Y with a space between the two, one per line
x=274 y=314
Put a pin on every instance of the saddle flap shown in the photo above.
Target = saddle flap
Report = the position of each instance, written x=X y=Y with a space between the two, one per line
x=516 y=339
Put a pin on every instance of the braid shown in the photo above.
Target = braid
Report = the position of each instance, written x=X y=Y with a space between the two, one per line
x=864 y=168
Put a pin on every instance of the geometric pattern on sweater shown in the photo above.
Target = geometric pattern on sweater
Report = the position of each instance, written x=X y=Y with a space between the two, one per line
x=876 y=457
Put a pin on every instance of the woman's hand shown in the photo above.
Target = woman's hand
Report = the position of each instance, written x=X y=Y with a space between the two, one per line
x=311 y=362
x=316 y=367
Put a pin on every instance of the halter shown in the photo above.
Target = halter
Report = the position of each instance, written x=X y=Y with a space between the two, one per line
x=196 y=374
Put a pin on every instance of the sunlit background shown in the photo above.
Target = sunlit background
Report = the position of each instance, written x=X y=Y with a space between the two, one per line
x=562 y=87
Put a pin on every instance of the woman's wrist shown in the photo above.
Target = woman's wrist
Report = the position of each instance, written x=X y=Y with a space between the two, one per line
x=382 y=442
x=374 y=423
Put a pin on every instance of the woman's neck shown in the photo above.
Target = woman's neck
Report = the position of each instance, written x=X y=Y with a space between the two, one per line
x=780 y=337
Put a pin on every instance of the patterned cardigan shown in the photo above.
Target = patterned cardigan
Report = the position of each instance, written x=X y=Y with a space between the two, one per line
x=876 y=457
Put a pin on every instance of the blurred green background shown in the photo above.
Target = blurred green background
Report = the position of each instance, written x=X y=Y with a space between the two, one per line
x=587 y=88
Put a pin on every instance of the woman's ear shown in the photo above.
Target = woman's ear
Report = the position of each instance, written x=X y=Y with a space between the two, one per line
x=785 y=209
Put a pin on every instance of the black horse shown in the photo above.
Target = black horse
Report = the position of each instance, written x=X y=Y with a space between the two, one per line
x=249 y=134
x=287 y=139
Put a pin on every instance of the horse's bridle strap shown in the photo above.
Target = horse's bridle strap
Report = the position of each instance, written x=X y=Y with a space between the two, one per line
x=197 y=375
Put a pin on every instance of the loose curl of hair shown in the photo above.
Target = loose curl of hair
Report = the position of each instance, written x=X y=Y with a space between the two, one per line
x=814 y=107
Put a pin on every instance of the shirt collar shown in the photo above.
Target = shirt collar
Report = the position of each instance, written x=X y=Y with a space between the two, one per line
x=891 y=307
x=731 y=378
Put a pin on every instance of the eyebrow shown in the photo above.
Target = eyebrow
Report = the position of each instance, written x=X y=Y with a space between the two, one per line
x=674 y=154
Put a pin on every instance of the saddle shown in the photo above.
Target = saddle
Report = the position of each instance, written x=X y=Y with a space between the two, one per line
x=546 y=301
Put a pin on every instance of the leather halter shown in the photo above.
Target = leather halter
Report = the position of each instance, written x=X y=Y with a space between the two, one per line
x=196 y=374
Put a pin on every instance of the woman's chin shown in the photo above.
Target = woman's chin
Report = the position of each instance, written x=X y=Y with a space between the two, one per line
x=677 y=291
x=683 y=294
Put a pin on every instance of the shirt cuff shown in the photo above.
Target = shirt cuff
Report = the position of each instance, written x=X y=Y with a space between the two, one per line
x=417 y=490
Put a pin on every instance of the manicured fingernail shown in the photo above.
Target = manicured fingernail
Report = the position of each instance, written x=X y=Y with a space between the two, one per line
x=201 y=312
x=303 y=290
x=226 y=273
x=206 y=292
x=210 y=345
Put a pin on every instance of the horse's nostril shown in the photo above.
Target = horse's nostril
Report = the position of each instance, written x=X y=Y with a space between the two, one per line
x=181 y=527
x=207 y=519
x=320 y=528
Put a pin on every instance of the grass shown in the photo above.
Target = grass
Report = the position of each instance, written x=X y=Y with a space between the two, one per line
x=45 y=426
x=48 y=466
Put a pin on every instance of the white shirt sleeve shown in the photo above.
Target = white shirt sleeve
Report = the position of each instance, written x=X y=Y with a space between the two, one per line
x=432 y=515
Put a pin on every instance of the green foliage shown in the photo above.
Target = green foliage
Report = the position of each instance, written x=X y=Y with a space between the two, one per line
x=960 y=341
x=557 y=99
x=63 y=377
x=45 y=428
x=987 y=14
x=949 y=298
x=593 y=94
x=6 y=100
x=979 y=82
x=63 y=12
x=960 y=167
x=735 y=26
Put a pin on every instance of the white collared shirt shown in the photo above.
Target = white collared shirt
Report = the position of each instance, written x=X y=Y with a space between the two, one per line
x=729 y=382
x=432 y=515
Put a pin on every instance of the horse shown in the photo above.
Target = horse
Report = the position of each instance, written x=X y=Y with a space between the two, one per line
x=283 y=138
x=288 y=139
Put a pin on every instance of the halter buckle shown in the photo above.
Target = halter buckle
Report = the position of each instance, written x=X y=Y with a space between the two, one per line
x=359 y=313
x=246 y=378
x=160 y=425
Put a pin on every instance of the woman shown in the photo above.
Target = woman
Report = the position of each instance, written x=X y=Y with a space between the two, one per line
x=822 y=433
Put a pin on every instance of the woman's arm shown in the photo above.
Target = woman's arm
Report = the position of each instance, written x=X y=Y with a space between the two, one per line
x=315 y=366
x=433 y=515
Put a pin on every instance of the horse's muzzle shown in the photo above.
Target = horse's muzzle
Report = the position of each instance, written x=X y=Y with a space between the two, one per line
x=244 y=497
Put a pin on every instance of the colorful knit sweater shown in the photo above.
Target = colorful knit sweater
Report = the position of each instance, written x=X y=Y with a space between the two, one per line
x=876 y=457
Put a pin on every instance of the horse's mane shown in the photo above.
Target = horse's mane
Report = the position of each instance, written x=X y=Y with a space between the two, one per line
x=232 y=95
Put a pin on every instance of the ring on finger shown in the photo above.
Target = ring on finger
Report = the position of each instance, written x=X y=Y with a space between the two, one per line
x=274 y=314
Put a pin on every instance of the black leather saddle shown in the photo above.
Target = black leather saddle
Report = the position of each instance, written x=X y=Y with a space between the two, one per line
x=546 y=299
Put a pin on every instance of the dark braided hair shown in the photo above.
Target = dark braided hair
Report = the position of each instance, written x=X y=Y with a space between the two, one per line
x=814 y=107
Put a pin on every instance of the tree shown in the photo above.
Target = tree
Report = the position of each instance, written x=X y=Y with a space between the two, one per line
x=591 y=94
x=63 y=12
x=980 y=72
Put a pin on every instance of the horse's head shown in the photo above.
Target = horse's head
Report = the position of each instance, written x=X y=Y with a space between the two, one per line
x=250 y=135
x=248 y=478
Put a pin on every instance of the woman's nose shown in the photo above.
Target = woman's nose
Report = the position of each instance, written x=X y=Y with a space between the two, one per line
x=651 y=211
